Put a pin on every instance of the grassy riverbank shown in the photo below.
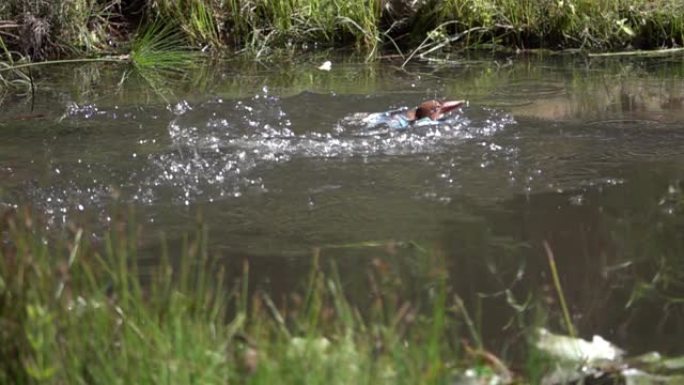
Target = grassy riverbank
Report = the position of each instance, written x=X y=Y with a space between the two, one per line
x=50 y=29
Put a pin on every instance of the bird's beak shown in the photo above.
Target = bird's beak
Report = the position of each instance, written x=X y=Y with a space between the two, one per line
x=450 y=106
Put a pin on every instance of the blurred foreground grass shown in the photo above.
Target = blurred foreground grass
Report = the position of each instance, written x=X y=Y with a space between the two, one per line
x=72 y=312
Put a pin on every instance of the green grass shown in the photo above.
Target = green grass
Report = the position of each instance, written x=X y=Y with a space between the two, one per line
x=12 y=78
x=158 y=53
x=367 y=25
x=195 y=18
x=73 y=312
x=90 y=27
x=159 y=48
x=260 y=25
x=588 y=24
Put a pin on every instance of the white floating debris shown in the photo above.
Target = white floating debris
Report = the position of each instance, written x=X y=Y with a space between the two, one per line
x=576 y=349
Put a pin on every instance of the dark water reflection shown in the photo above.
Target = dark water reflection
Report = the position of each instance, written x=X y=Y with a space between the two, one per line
x=585 y=154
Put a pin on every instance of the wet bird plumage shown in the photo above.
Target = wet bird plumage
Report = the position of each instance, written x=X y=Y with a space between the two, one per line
x=433 y=109
x=428 y=112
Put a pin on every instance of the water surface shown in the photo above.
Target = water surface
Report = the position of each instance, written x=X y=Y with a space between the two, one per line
x=585 y=154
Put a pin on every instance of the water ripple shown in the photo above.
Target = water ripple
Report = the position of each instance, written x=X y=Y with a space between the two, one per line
x=217 y=149
x=215 y=146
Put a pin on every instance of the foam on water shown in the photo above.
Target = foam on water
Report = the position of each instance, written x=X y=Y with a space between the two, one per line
x=215 y=145
x=217 y=149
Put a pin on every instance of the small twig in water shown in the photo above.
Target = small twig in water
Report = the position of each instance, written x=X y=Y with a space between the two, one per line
x=468 y=321
x=394 y=43
x=450 y=40
x=276 y=314
x=491 y=360
x=657 y=52
x=559 y=290
x=33 y=89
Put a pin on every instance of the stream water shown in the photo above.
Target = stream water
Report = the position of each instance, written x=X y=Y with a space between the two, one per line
x=585 y=154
